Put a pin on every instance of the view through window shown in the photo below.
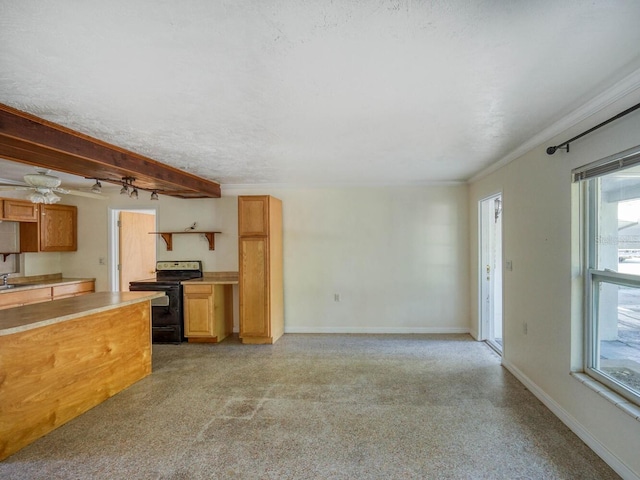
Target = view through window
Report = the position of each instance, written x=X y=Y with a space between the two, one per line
x=613 y=281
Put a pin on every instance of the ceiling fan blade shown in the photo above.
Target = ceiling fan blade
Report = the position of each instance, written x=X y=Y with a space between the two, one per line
x=80 y=193
x=7 y=182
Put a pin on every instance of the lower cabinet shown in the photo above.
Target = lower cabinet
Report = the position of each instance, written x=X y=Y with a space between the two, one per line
x=208 y=312
x=73 y=289
x=18 y=297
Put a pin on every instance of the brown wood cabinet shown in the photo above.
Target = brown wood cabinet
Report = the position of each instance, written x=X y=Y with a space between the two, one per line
x=55 y=372
x=55 y=231
x=18 y=210
x=17 y=298
x=260 y=262
x=24 y=297
x=207 y=312
x=72 y=289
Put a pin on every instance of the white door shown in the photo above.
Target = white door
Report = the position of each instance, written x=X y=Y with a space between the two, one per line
x=490 y=273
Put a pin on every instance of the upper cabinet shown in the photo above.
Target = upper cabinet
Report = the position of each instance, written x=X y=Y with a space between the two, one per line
x=253 y=216
x=18 y=210
x=55 y=231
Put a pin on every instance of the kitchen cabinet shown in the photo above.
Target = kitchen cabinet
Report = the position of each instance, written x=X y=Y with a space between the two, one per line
x=57 y=363
x=28 y=295
x=55 y=231
x=260 y=262
x=24 y=297
x=206 y=312
x=18 y=210
x=72 y=289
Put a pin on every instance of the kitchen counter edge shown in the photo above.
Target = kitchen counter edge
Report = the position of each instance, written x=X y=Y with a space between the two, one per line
x=28 y=317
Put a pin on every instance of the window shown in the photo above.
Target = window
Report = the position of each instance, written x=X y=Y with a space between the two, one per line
x=611 y=197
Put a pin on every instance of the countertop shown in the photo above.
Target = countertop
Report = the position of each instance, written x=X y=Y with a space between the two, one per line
x=213 y=278
x=27 y=317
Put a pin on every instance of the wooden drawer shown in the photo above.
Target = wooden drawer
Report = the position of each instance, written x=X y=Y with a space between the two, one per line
x=61 y=291
x=206 y=289
x=24 y=297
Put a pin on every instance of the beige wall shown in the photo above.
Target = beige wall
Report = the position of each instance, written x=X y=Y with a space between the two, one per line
x=397 y=256
x=544 y=290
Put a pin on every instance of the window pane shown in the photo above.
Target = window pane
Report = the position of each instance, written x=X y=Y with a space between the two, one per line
x=618 y=329
x=618 y=227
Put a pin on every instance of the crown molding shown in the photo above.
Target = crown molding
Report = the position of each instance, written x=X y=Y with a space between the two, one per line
x=618 y=91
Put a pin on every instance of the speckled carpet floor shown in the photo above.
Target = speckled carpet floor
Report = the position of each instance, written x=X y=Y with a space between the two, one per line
x=317 y=407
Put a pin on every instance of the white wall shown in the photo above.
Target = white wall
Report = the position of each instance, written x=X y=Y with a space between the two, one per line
x=544 y=290
x=397 y=256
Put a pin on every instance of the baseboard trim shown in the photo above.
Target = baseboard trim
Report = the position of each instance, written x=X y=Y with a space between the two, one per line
x=576 y=427
x=364 y=330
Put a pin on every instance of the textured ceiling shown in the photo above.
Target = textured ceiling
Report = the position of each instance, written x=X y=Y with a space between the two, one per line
x=315 y=91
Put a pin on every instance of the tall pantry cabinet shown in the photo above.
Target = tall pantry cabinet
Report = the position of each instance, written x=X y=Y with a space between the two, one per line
x=260 y=262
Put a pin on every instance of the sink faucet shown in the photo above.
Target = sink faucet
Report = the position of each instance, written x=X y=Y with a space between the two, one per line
x=5 y=279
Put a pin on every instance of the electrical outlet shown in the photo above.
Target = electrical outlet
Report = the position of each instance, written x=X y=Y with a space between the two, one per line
x=508 y=265
x=336 y=297
x=102 y=261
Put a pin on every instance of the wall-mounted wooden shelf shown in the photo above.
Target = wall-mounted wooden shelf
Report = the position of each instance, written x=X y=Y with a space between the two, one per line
x=168 y=237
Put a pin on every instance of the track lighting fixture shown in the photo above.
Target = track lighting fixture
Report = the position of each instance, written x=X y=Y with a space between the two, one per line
x=128 y=187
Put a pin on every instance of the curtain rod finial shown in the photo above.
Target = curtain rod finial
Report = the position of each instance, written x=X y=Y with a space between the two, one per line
x=551 y=150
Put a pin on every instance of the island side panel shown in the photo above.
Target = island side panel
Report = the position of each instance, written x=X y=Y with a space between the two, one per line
x=52 y=374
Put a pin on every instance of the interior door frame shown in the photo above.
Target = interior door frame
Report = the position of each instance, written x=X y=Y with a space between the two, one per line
x=114 y=241
x=484 y=323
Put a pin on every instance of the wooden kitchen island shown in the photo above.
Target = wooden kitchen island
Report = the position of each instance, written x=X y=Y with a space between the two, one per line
x=60 y=358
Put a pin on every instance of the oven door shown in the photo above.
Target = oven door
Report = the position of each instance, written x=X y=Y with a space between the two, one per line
x=166 y=312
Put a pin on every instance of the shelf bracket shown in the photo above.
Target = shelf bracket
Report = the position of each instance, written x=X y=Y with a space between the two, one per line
x=211 y=239
x=168 y=239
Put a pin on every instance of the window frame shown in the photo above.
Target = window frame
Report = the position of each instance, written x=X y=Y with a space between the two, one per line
x=593 y=278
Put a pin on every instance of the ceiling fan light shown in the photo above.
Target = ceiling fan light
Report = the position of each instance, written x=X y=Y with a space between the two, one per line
x=51 y=197
x=36 y=197
x=97 y=187
x=124 y=190
x=134 y=193
x=154 y=195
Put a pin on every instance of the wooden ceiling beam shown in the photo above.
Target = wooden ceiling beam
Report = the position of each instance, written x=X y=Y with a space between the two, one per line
x=26 y=138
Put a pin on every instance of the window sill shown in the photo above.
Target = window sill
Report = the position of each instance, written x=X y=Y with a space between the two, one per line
x=622 y=403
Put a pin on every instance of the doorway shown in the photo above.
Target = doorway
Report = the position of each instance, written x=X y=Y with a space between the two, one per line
x=490 y=271
x=133 y=250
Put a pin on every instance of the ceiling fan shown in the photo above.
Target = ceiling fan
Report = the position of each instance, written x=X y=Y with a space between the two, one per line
x=43 y=187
